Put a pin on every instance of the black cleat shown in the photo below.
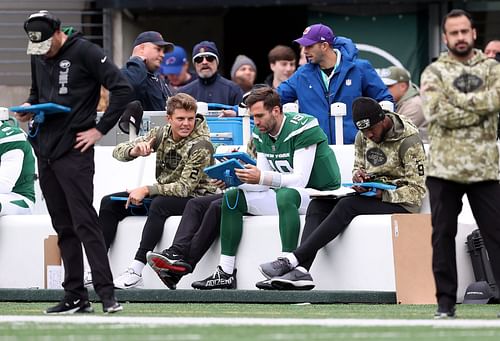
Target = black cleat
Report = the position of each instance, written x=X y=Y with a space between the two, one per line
x=442 y=314
x=169 y=279
x=111 y=306
x=218 y=280
x=71 y=306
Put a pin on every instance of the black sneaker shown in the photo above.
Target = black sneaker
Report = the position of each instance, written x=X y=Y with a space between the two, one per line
x=168 y=260
x=70 y=306
x=169 y=279
x=443 y=313
x=219 y=280
x=293 y=280
x=265 y=285
x=111 y=306
x=276 y=268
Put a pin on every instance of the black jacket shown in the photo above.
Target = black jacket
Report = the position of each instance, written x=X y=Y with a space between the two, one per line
x=150 y=89
x=73 y=78
x=215 y=89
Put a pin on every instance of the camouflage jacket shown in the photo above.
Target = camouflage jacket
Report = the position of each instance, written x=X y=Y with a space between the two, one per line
x=461 y=102
x=179 y=165
x=398 y=160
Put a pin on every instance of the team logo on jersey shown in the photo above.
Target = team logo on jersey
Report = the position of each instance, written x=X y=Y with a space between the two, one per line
x=63 y=76
x=376 y=156
x=348 y=82
x=467 y=83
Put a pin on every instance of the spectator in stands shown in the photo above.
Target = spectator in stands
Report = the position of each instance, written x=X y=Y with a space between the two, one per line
x=461 y=100
x=64 y=146
x=17 y=169
x=302 y=57
x=492 y=49
x=333 y=74
x=183 y=149
x=142 y=71
x=406 y=96
x=388 y=150
x=243 y=72
x=282 y=62
x=210 y=86
x=175 y=67
x=292 y=153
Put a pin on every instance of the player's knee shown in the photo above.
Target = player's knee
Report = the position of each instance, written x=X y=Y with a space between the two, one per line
x=287 y=198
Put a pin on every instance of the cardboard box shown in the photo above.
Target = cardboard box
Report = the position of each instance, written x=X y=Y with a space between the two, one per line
x=53 y=270
x=412 y=248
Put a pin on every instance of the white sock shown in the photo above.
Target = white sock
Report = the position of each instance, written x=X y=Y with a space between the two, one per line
x=227 y=263
x=302 y=269
x=137 y=267
x=293 y=260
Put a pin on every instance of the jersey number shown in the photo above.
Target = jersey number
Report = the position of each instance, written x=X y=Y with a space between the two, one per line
x=281 y=166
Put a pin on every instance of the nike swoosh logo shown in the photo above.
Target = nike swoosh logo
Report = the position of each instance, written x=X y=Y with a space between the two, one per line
x=75 y=302
x=104 y=59
x=130 y=284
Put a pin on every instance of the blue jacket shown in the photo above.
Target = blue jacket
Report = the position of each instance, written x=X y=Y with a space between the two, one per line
x=353 y=78
x=150 y=89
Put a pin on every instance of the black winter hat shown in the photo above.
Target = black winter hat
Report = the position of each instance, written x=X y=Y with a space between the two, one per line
x=366 y=112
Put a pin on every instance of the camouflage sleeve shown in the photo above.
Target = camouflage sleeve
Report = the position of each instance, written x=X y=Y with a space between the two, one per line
x=483 y=102
x=190 y=177
x=359 y=154
x=411 y=189
x=437 y=106
x=122 y=150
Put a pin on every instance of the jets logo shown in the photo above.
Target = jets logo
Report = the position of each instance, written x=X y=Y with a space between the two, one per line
x=64 y=64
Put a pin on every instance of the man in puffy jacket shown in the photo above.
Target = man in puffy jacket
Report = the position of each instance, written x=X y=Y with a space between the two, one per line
x=333 y=74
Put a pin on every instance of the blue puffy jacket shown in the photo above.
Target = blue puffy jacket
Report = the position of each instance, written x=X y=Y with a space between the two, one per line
x=353 y=78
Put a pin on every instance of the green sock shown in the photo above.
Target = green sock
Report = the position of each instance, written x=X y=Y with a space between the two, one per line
x=288 y=201
x=234 y=205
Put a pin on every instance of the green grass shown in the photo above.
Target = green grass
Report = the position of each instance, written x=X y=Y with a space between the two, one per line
x=65 y=331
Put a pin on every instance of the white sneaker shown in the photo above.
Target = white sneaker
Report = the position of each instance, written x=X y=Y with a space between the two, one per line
x=87 y=279
x=128 y=280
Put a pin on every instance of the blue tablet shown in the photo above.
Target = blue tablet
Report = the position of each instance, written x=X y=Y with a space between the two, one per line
x=242 y=157
x=47 y=108
x=145 y=201
x=225 y=171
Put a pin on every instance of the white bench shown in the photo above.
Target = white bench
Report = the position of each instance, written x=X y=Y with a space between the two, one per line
x=359 y=259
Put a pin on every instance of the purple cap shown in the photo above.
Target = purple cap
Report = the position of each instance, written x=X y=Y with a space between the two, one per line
x=154 y=38
x=173 y=61
x=317 y=33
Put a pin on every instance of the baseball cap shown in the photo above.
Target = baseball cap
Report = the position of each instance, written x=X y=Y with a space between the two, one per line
x=317 y=33
x=40 y=28
x=206 y=48
x=393 y=75
x=366 y=112
x=154 y=38
x=173 y=61
x=478 y=293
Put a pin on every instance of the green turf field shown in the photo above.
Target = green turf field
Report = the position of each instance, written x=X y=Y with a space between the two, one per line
x=139 y=328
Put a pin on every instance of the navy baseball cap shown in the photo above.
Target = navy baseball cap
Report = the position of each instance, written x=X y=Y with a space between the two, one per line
x=173 y=61
x=317 y=33
x=154 y=38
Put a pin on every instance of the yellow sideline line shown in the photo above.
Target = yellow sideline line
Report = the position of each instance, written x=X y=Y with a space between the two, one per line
x=206 y=321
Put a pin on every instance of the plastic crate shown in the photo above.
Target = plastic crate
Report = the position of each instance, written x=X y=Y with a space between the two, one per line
x=226 y=130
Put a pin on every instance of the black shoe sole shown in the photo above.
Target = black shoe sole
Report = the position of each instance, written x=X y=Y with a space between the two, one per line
x=288 y=286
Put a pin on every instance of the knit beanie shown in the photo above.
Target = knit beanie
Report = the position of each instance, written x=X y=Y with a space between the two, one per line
x=239 y=62
x=366 y=112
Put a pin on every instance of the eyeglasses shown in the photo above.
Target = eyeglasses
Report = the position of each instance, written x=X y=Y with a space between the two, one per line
x=199 y=59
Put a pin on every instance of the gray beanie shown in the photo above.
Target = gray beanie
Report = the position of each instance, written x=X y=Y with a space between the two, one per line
x=239 y=62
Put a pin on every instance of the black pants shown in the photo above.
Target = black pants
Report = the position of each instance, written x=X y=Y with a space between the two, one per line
x=112 y=212
x=199 y=227
x=446 y=203
x=327 y=218
x=68 y=188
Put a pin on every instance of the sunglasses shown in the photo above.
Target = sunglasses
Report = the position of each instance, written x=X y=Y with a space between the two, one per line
x=199 y=59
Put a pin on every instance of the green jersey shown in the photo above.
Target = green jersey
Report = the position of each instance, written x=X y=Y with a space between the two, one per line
x=12 y=138
x=300 y=131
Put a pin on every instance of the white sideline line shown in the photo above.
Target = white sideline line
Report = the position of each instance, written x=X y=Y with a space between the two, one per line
x=203 y=321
